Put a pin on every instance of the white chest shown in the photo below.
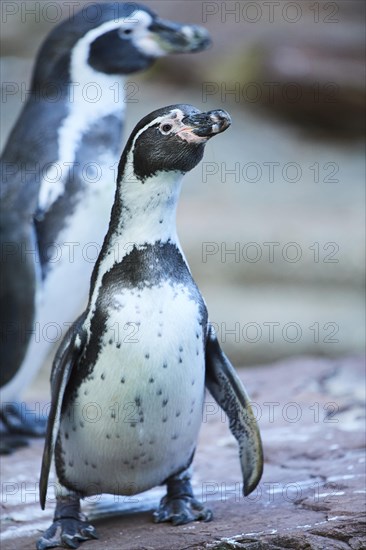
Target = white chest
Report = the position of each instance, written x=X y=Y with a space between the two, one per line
x=136 y=419
x=82 y=115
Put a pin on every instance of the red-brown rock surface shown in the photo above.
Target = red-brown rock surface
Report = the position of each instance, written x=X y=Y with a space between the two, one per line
x=312 y=495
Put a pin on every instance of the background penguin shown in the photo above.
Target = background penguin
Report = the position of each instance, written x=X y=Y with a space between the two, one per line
x=56 y=190
x=148 y=386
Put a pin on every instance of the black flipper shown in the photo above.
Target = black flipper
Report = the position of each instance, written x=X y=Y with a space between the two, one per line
x=228 y=391
x=19 y=279
x=67 y=356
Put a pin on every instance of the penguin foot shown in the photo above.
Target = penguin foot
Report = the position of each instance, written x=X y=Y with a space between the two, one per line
x=16 y=425
x=181 y=510
x=11 y=442
x=179 y=505
x=66 y=533
x=69 y=528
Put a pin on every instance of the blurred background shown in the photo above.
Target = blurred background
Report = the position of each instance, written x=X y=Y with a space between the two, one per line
x=272 y=221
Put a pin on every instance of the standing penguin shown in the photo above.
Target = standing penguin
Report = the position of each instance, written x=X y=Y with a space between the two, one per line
x=56 y=191
x=146 y=387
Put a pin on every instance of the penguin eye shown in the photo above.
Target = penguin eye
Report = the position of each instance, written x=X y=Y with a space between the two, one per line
x=165 y=128
x=124 y=32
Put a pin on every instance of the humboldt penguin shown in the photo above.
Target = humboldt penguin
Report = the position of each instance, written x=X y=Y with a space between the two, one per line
x=128 y=381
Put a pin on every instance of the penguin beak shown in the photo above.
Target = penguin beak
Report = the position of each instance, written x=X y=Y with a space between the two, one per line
x=207 y=124
x=176 y=38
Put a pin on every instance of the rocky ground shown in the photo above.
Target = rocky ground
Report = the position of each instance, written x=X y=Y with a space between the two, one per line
x=312 y=494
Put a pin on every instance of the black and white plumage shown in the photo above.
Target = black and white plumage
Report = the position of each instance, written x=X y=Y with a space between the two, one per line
x=58 y=170
x=147 y=387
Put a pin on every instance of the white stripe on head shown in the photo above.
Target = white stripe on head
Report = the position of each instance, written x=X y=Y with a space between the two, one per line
x=157 y=120
x=137 y=20
x=144 y=40
x=174 y=118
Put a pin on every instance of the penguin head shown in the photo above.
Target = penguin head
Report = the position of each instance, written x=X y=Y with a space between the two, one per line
x=114 y=38
x=171 y=139
x=141 y=37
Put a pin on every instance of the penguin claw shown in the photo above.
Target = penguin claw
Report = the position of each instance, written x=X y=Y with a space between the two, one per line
x=66 y=533
x=181 y=510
